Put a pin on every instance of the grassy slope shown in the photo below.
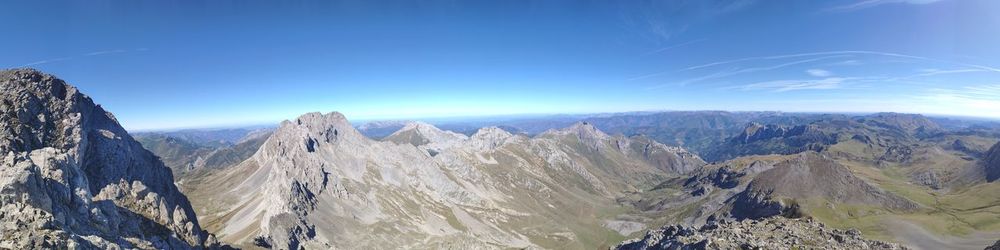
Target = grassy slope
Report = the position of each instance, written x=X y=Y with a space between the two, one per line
x=959 y=212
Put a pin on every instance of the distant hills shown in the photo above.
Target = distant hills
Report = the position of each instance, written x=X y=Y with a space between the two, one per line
x=193 y=150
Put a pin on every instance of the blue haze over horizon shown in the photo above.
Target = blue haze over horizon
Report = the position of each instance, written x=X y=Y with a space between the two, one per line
x=172 y=64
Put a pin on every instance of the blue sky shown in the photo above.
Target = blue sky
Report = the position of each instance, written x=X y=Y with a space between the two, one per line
x=170 y=64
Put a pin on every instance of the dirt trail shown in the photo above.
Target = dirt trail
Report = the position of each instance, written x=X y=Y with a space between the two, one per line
x=916 y=237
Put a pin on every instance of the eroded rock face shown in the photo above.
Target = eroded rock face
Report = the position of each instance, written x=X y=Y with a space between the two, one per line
x=71 y=176
x=992 y=161
x=995 y=246
x=771 y=233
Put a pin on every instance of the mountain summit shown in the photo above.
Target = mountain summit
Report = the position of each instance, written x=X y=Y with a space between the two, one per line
x=71 y=176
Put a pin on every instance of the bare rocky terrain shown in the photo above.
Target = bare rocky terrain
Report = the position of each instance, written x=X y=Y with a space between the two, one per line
x=771 y=233
x=71 y=177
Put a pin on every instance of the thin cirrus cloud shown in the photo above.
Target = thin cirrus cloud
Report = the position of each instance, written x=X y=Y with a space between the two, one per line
x=724 y=72
x=977 y=100
x=873 y=3
x=52 y=60
x=662 y=21
x=89 y=54
x=786 y=56
x=806 y=84
x=729 y=73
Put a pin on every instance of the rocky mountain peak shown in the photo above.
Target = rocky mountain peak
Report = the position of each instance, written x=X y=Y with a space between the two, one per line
x=71 y=175
x=490 y=137
x=313 y=129
x=588 y=129
x=419 y=125
x=585 y=131
x=319 y=121
x=33 y=104
x=421 y=133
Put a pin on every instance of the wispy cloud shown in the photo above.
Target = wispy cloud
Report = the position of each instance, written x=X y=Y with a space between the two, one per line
x=786 y=56
x=729 y=73
x=934 y=72
x=989 y=92
x=670 y=47
x=662 y=21
x=819 y=72
x=97 y=53
x=873 y=3
x=978 y=100
x=59 y=59
x=807 y=84
x=89 y=54
x=735 y=72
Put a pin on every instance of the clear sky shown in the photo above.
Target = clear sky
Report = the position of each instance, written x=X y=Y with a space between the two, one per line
x=169 y=64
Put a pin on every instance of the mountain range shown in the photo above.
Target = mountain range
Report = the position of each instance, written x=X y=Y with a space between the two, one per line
x=72 y=177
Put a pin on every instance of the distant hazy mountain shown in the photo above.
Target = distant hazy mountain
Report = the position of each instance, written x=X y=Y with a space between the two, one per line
x=212 y=138
x=184 y=156
x=380 y=129
x=71 y=177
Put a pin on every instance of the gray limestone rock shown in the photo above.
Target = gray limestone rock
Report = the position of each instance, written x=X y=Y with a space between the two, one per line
x=72 y=177
x=771 y=233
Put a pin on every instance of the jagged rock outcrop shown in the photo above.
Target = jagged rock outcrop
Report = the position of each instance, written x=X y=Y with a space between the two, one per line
x=771 y=233
x=72 y=177
x=759 y=139
x=992 y=163
x=674 y=160
x=995 y=246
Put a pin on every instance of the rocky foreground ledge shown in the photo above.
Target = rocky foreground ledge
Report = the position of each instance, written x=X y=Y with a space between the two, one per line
x=72 y=177
x=770 y=233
